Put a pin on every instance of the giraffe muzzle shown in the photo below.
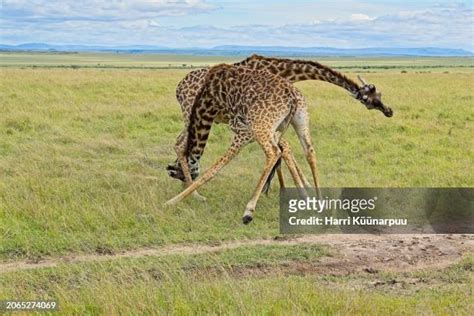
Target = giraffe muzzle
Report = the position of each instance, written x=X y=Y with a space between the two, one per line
x=388 y=112
x=175 y=172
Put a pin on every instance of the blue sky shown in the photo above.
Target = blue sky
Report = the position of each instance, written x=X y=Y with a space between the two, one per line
x=206 y=23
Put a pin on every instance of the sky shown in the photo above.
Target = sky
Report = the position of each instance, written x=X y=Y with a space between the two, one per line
x=207 y=23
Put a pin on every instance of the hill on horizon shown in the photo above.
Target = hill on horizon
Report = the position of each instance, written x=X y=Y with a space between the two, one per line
x=242 y=50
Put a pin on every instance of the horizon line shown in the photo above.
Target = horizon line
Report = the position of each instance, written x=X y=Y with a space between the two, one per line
x=164 y=47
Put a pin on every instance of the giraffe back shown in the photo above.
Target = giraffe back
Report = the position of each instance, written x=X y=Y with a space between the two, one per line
x=245 y=97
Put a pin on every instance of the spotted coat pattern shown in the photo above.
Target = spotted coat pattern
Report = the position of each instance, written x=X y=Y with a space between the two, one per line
x=292 y=70
x=259 y=106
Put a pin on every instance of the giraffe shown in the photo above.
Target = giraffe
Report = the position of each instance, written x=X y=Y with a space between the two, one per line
x=186 y=92
x=294 y=71
x=259 y=106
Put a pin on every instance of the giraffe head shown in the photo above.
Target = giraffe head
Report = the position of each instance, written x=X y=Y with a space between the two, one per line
x=175 y=171
x=372 y=99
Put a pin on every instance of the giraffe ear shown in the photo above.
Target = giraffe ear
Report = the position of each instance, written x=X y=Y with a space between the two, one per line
x=354 y=95
x=362 y=80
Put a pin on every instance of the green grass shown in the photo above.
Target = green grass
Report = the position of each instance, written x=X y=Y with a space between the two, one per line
x=83 y=153
x=82 y=170
x=245 y=280
x=108 y=60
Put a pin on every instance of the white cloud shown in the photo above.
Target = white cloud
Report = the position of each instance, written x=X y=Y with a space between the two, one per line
x=360 y=17
x=153 y=23
x=99 y=10
x=138 y=22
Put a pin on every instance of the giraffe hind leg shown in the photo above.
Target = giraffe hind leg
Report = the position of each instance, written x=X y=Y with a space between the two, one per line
x=300 y=123
x=281 y=179
x=276 y=169
x=290 y=162
x=290 y=158
x=299 y=179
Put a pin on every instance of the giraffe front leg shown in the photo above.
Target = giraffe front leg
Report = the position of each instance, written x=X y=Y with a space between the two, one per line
x=198 y=196
x=272 y=153
x=237 y=143
x=188 y=178
x=194 y=174
x=180 y=148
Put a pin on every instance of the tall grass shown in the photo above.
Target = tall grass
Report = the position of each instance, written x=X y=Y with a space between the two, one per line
x=83 y=155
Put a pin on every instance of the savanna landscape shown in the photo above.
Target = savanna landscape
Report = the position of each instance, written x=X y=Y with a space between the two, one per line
x=84 y=142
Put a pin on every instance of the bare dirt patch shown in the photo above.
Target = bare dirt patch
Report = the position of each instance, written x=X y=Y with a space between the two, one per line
x=349 y=253
x=397 y=253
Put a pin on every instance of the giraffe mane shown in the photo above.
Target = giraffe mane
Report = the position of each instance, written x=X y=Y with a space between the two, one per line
x=256 y=57
x=248 y=59
x=197 y=100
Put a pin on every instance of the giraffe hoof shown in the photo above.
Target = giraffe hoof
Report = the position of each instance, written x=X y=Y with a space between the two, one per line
x=199 y=197
x=170 y=202
x=247 y=219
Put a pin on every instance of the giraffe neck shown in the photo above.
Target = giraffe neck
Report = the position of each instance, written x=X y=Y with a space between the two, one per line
x=200 y=123
x=205 y=108
x=300 y=70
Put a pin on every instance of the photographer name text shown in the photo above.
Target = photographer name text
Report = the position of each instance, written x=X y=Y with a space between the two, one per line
x=353 y=206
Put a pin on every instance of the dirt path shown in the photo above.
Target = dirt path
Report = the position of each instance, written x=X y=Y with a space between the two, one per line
x=350 y=253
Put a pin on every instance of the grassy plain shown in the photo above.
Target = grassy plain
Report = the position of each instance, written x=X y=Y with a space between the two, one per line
x=152 y=61
x=82 y=158
x=244 y=281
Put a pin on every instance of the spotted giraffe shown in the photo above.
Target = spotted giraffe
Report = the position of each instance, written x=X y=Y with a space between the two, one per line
x=258 y=106
x=293 y=70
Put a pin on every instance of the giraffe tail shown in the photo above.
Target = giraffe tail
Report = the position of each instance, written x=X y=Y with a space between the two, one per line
x=266 y=187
